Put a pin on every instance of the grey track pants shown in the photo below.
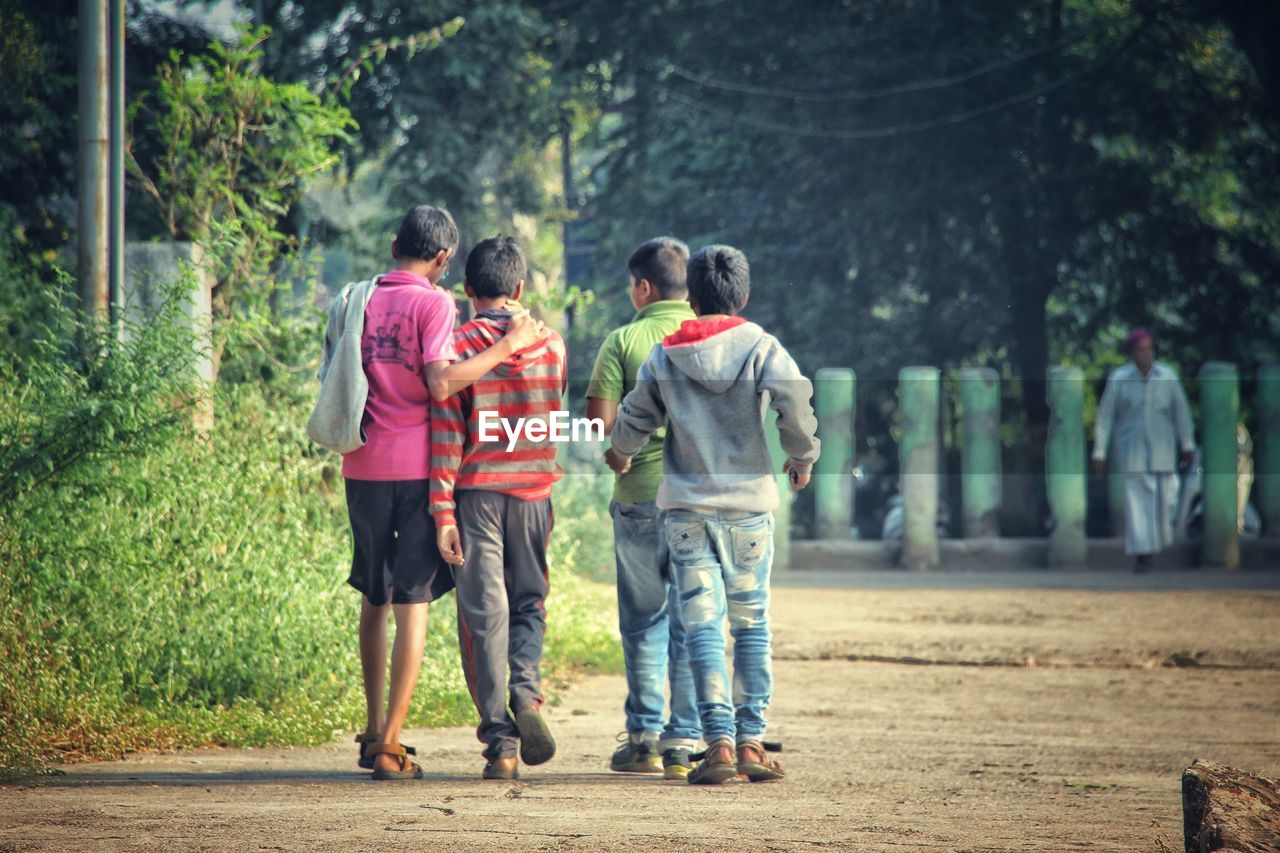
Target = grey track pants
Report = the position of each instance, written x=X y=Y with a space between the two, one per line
x=501 y=618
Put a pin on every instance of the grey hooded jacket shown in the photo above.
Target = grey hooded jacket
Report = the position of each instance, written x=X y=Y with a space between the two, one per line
x=714 y=395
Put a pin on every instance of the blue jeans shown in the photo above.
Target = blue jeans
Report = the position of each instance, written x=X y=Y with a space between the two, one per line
x=721 y=562
x=652 y=638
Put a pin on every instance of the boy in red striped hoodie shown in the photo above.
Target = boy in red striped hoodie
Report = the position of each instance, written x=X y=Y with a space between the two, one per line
x=492 y=469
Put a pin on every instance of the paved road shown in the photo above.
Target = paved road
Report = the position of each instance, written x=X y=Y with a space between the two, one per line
x=914 y=719
x=1035 y=578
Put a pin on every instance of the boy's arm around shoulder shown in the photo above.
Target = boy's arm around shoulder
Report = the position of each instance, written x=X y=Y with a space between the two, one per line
x=449 y=428
x=445 y=377
x=449 y=425
x=790 y=393
x=642 y=412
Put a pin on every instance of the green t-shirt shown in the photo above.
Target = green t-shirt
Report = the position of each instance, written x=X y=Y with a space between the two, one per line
x=617 y=364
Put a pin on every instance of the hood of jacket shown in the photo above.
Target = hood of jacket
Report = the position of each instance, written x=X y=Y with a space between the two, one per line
x=713 y=351
x=491 y=324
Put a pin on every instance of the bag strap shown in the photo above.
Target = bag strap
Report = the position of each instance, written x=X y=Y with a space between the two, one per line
x=346 y=300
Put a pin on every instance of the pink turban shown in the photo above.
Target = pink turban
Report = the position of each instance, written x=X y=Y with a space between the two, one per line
x=1136 y=337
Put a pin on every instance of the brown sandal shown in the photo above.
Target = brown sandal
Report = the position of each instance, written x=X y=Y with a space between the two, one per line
x=408 y=768
x=756 y=764
x=365 y=739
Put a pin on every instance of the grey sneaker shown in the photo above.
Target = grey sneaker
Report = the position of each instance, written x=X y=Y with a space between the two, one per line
x=676 y=764
x=633 y=757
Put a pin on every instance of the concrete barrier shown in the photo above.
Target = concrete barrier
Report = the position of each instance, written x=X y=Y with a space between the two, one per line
x=918 y=401
x=834 y=390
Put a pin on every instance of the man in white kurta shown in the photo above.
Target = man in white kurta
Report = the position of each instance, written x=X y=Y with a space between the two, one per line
x=1145 y=416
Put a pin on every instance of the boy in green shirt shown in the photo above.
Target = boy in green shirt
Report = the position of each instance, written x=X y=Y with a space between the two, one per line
x=652 y=638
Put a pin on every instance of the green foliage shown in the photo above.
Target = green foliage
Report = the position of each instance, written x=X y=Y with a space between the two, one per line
x=921 y=183
x=237 y=148
x=473 y=127
x=165 y=587
x=197 y=595
x=76 y=392
x=38 y=145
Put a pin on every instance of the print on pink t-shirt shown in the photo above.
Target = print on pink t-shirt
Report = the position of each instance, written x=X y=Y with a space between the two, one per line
x=407 y=324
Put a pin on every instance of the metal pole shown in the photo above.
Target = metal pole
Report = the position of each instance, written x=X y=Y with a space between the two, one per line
x=833 y=475
x=980 y=467
x=570 y=206
x=92 y=213
x=1220 y=410
x=1267 y=469
x=1065 y=466
x=116 y=253
x=918 y=393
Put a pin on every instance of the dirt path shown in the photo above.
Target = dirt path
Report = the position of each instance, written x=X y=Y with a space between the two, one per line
x=911 y=718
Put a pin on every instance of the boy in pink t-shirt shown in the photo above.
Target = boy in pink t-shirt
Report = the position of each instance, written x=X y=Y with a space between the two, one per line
x=408 y=358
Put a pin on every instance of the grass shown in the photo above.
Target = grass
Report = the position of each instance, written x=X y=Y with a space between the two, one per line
x=196 y=595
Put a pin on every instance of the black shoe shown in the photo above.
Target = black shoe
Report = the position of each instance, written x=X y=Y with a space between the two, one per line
x=676 y=764
x=537 y=746
x=634 y=757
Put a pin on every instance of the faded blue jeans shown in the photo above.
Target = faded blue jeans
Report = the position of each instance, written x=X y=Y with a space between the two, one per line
x=721 y=563
x=652 y=638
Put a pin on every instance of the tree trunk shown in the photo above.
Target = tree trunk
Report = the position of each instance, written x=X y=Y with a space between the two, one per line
x=1228 y=809
x=1029 y=288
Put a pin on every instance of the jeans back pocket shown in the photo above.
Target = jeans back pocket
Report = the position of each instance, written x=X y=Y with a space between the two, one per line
x=750 y=542
x=686 y=539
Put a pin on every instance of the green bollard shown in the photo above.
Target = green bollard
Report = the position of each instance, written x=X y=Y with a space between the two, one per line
x=918 y=405
x=1220 y=411
x=1267 y=464
x=833 y=475
x=1065 y=466
x=980 y=468
x=781 y=515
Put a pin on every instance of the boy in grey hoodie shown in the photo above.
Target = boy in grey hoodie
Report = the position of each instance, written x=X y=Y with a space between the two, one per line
x=712 y=382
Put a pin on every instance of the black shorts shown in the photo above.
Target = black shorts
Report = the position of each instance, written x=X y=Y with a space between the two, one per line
x=396 y=558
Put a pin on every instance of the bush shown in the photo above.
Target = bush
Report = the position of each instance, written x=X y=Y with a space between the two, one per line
x=167 y=588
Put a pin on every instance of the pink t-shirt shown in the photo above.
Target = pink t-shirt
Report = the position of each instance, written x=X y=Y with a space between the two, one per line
x=408 y=323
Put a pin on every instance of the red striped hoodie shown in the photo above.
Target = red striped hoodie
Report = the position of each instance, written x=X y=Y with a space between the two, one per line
x=530 y=385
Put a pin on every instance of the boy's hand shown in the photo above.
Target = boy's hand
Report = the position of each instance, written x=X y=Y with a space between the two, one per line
x=798 y=479
x=450 y=544
x=524 y=330
x=616 y=461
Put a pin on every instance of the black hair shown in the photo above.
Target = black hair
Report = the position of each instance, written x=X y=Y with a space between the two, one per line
x=424 y=232
x=495 y=267
x=662 y=261
x=719 y=280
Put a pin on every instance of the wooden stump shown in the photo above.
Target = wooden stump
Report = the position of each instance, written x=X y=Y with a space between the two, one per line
x=1229 y=810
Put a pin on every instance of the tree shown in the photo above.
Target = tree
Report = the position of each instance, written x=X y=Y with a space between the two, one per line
x=236 y=149
x=953 y=184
